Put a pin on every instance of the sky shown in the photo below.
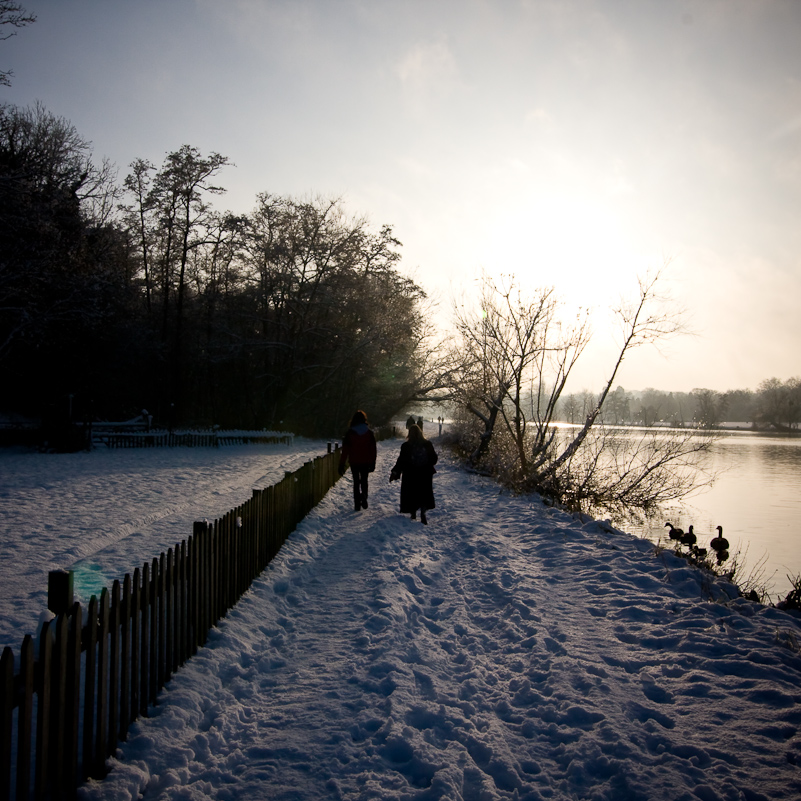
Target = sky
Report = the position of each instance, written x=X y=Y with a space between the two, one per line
x=571 y=144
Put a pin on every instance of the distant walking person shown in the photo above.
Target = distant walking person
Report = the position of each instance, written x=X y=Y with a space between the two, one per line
x=409 y=422
x=415 y=468
x=358 y=448
x=420 y=423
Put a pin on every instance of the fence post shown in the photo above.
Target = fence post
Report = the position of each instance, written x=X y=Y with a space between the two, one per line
x=43 y=707
x=157 y=634
x=24 y=722
x=169 y=615
x=59 y=732
x=90 y=642
x=6 y=717
x=72 y=696
x=126 y=657
x=115 y=695
x=196 y=576
x=103 y=677
x=60 y=595
x=181 y=626
x=144 y=653
x=258 y=531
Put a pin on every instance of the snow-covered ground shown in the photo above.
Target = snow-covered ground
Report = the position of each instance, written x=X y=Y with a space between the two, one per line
x=106 y=512
x=504 y=651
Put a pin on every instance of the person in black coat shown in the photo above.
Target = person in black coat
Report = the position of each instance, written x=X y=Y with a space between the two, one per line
x=415 y=468
x=358 y=448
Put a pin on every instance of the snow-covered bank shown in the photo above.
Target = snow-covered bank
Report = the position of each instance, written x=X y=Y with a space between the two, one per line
x=504 y=651
x=105 y=512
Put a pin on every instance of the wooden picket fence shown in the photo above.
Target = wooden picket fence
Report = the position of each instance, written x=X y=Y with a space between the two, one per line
x=67 y=703
x=190 y=439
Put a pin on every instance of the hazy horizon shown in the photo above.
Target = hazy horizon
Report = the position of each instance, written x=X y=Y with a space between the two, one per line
x=574 y=144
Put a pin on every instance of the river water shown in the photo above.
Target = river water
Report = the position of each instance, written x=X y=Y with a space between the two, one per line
x=756 y=497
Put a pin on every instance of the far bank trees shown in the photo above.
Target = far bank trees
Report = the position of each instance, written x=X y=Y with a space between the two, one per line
x=774 y=406
x=779 y=404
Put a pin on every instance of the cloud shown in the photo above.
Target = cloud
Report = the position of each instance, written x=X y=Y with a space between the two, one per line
x=427 y=65
x=791 y=127
x=539 y=115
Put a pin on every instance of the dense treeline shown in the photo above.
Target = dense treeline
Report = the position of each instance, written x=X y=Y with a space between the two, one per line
x=774 y=405
x=122 y=297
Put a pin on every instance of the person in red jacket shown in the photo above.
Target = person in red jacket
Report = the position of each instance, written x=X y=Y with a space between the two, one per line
x=358 y=448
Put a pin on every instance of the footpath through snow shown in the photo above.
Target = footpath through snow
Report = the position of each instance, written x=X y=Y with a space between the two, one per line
x=505 y=651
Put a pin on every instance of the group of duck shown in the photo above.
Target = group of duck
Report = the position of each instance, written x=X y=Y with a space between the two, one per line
x=720 y=545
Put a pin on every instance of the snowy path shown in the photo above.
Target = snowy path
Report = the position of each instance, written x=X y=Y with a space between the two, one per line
x=504 y=651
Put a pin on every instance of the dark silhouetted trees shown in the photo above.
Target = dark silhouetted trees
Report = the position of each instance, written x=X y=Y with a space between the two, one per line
x=289 y=317
x=64 y=291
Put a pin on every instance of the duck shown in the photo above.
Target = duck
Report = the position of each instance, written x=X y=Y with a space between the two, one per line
x=675 y=533
x=689 y=538
x=719 y=543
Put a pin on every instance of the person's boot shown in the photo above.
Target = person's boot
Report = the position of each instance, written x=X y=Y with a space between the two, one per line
x=364 y=503
x=423 y=518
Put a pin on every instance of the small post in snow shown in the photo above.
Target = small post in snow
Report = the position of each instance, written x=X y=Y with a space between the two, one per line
x=60 y=596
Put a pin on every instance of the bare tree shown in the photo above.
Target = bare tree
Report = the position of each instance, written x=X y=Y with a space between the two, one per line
x=51 y=196
x=138 y=183
x=617 y=469
x=177 y=194
x=618 y=407
x=516 y=358
x=170 y=219
x=640 y=325
x=331 y=313
x=12 y=15
x=710 y=407
x=779 y=404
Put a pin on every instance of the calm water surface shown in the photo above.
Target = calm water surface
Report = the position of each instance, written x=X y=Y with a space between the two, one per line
x=757 y=500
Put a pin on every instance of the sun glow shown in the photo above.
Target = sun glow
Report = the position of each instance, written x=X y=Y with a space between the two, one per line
x=575 y=244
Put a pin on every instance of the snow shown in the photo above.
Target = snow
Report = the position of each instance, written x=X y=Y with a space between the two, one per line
x=104 y=513
x=505 y=651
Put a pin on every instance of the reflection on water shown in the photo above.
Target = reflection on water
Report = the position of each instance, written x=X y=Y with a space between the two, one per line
x=757 y=500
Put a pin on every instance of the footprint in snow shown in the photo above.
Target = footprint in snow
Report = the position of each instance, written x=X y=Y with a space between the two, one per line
x=554 y=647
x=653 y=692
x=411 y=584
